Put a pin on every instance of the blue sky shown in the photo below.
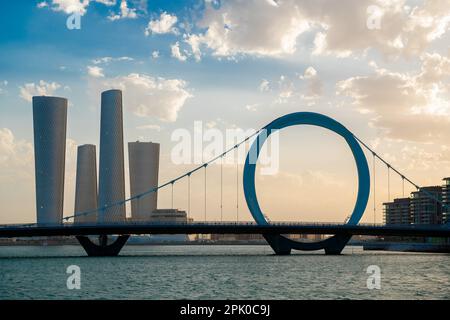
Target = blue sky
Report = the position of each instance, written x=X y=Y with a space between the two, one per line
x=238 y=64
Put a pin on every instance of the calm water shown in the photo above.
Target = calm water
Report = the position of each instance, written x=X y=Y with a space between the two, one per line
x=219 y=272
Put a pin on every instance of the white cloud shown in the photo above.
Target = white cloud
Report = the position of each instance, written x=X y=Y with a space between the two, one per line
x=125 y=12
x=16 y=157
x=252 y=107
x=165 y=24
x=272 y=28
x=176 y=53
x=106 y=60
x=409 y=106
x=42 y=89
x=155 y=54
x=42 y=4
x=3 y=85
x=73 y=6
x=95 y=71
x=314 y=86
x=250 y=27
x=264 y=86
x=147 y=96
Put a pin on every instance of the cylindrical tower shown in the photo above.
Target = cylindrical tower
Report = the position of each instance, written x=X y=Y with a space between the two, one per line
x=111 y=177
x=86 y=184
x=144 y=167
x=49 y=123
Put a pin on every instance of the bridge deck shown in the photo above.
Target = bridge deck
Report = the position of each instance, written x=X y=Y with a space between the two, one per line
x=33 y=230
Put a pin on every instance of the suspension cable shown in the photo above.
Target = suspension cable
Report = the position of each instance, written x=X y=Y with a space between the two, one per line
x=205 y=193
x=428 y=194
x=118 y=203
x=172 y=193
x=221 y=189
x=189 y=197
x=389 y=183
x=237 y=189
x=374 y=188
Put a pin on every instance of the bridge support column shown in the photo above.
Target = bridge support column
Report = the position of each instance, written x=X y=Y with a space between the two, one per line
x=103 y=249
x=336 y=244
x=278 y=244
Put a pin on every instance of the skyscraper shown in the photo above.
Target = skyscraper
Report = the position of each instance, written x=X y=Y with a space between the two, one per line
x=111 y=176
x=49 y=123
x=144 y=166
x=86 y=184
x=446 y=200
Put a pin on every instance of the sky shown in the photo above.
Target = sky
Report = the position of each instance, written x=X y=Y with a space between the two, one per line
x=380 y=67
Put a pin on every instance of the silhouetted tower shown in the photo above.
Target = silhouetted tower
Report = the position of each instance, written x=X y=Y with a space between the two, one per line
x=111 y=177
x=144 y=166
x=49 y=123
x=86 y=184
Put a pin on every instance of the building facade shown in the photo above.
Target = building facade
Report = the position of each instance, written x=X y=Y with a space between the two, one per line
x=111 y=171
x=446 y=200
x=426 y=207
x=144 y=167
x=49 y=124
x=86 y=184
x=398 y=211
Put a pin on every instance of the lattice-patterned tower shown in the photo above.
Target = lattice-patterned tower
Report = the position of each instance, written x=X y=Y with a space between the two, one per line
x=144 y=167
x=86 y=184
x=49 y=123
x=111 y=177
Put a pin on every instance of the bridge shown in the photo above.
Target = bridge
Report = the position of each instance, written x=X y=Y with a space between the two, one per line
x=273 y=232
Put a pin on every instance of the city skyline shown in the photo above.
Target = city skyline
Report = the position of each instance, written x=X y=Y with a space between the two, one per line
x=257 y=80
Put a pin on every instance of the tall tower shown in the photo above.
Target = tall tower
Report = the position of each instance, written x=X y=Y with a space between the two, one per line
x=144 y=167
x=86 y=184
x=49 y=123
x=111 y=177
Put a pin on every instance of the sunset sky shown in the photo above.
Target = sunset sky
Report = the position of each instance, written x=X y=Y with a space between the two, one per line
x=380 y=67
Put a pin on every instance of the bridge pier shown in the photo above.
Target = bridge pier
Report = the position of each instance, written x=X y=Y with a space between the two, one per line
x=279 y=244
x=103 y=249
x=336 y=244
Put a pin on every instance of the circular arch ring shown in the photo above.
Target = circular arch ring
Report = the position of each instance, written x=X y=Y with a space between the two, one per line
x=314 y=119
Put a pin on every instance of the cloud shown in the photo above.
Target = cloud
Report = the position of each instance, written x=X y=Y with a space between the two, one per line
x=165 y=24
x=409 y=106
x=95 y=71
x=176 y=53
x=155 y=54
x=3 y=85
x=264 y=86
x=42 y=4
x=314 y=86
x=107 y=60
x=42 y=89
x=341 y=28
x=147 y=96
x=125 y=12
x=73 y=6
x=16 y=157
x=250 y=27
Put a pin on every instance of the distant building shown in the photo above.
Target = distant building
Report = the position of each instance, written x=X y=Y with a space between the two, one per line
x=425 y=205
x=398 y=211
x=168 y=216
x=446 y=200
x=144 y=167
x=86 y=184
x=111 y=185
x=49 y=123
